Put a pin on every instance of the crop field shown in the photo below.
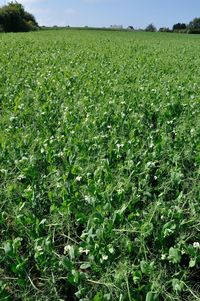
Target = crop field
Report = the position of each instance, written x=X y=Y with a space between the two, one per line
x=99 y=166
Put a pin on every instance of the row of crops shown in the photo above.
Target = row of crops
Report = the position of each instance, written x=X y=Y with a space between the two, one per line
x=99 y=166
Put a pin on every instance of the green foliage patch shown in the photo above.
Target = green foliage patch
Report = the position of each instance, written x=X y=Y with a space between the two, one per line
x=99 y=166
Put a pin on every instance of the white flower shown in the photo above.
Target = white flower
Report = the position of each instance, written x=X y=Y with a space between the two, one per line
x=81 y=250
x=105 y=257
x=67 y=249
x=21 y=177
x=78 y=178
x=60 y=154
x=38 y=248
x=120 y=145
x=196 y=245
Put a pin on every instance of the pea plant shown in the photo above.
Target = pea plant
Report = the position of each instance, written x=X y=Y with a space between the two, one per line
x=99 y=166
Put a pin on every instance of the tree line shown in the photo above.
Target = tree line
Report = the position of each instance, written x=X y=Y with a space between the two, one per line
x=192 y=27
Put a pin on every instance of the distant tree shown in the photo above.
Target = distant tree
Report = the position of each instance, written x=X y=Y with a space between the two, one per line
x=179 y=27
x=164 y=29
x=150 y=28
x=194 y=26
x=14 y=18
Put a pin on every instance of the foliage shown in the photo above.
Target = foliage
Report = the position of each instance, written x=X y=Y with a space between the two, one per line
x=13 y=18
x=150 y=28
x=194 y=26
x=164 y=29
x=179 y=27
x=99 y=166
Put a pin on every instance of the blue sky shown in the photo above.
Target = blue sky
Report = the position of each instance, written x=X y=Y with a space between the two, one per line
x=138 y=13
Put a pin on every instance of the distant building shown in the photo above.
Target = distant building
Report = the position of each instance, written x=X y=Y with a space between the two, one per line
x=116 y=26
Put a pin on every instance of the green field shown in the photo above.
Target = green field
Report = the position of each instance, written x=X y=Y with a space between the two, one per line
x=99 y=166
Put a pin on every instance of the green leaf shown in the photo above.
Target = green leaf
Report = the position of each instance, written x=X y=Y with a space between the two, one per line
x=192 y=262
x=177 y=285
x=111 y=250
x=71 y=252
x=169 y=229
x=147 y=229
x=137 y=277
x=174 y=255
x=21 y=282
x=7 y=247
x=85 y=266
x=67 y=263
x=151 y=297
x=99 y=297
x=76 y=276
x=146 y=267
